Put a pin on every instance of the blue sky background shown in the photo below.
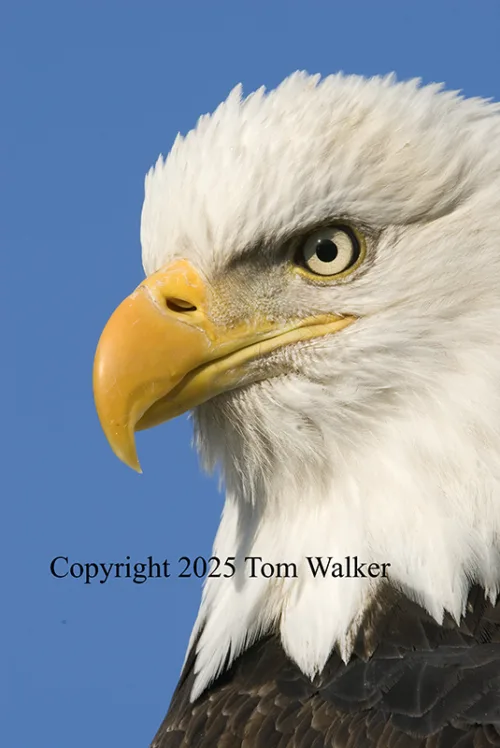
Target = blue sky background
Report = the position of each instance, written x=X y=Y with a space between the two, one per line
x=91 y=93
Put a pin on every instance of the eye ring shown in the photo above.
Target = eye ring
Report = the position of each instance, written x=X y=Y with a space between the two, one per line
x=330 y=253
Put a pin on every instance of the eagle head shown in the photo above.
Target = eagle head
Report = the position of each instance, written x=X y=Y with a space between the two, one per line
x=323 y=292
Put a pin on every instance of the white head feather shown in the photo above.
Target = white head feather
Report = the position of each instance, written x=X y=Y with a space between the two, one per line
x=382 y=441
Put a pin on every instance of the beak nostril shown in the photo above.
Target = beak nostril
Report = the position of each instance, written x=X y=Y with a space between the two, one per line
x=180 y=305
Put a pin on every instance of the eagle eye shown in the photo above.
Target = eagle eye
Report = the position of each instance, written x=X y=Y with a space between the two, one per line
x=331 y=251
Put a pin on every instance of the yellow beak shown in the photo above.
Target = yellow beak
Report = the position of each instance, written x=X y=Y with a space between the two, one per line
x=163 y=353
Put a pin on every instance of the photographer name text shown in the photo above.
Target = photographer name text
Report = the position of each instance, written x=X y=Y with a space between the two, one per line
x=323 y=567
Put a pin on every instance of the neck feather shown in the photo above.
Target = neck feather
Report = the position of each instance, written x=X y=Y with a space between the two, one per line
x=436 y=536
x=418 y=491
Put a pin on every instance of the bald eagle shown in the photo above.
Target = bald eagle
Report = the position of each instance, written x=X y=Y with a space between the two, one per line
x=323 y=292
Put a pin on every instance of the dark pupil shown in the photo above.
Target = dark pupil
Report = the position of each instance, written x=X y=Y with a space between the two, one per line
x=326 y=250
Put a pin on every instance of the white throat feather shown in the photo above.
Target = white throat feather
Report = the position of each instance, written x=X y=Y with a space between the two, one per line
x=415 y=482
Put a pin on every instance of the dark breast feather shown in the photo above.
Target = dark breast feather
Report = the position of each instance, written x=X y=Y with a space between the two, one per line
x=410 y=684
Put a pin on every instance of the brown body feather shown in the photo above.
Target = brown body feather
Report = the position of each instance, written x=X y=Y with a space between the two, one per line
x=411 y=683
